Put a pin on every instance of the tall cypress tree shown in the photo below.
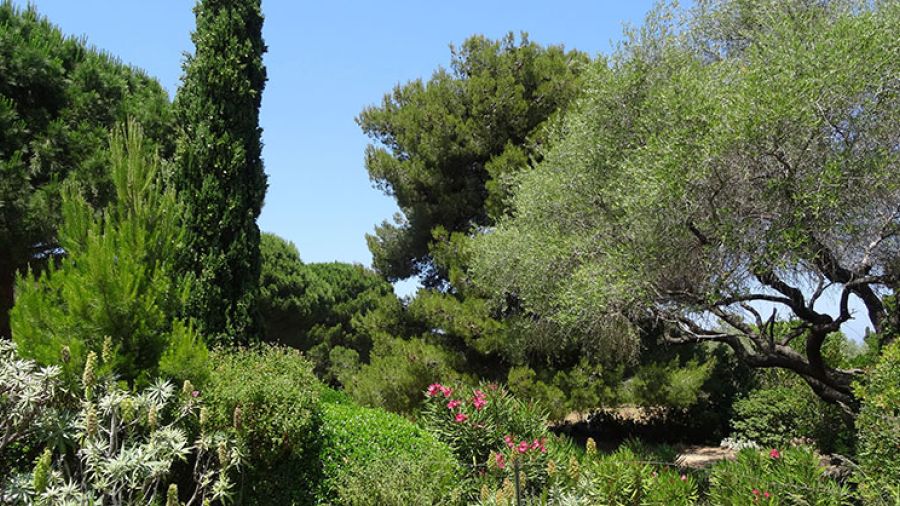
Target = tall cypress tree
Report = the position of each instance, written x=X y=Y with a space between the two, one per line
x=219 y=170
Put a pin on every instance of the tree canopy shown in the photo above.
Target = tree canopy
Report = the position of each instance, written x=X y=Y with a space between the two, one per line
x=444 y=147
x=58 y=100
x=725 y=171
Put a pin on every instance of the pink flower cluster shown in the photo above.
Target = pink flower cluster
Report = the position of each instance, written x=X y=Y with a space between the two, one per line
x=436 y=388
x=524 y=446
x=479 y=401
x=756 y=495
x=775 y=454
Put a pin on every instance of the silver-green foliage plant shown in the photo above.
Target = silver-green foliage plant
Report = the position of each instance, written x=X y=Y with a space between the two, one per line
x=126 y=445
x=735 y=157
x=28 y=393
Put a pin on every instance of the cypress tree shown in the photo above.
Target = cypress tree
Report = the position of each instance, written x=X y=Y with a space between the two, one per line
x=219 y=171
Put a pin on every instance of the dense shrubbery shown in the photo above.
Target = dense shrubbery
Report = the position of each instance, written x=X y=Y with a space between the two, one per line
x=773 y=416
x=791 y=476
x=269 y=398
x=398 y=373
x=371 y=457
x=879 y=430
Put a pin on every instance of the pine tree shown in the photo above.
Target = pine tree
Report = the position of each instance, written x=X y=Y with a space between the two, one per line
x=115 y=293
x=58 y=100
x=219 y=171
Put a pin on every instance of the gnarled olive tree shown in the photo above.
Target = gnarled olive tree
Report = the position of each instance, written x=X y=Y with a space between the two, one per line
x=732 y=172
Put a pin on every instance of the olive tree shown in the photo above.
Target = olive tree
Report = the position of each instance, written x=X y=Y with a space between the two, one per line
x=728 y=170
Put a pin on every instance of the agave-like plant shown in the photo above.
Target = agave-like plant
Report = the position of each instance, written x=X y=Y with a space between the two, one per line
x=126 y=444
x=27 y=392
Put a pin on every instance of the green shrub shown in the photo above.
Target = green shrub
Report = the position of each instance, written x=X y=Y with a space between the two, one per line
x=790 y=477
x=398 y=373
x=879 y=430
x=777 y=416
x=626 y=478
x=269 y=397
x=772 y=417
x=371 y=457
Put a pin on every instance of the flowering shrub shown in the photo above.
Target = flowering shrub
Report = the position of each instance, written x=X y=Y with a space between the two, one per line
x=588 y=478
x=489 y=431
x=476 y=422
x=126 y=445
x=774 y=477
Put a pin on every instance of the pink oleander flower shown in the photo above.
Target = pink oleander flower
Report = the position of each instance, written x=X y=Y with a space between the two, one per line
x=433 y=389
x=766 y=495
x=775 y=454
x=195 y=394
x=501 y=462
x=755 y=491
x=460 y=418
x=447 y=391
x=535 y=444
x=479 y=393
x=479 y=403
x=523 y=447
x=508 y=440
x=453 y=404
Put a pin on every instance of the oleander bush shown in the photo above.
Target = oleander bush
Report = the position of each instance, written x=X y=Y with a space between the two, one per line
x=268 y=398
x=791 y=476
x=371 y=457
x=624 y=477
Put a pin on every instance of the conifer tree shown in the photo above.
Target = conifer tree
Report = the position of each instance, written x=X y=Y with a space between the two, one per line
x=219 y=170
x=59 y=98
x=115 y=293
